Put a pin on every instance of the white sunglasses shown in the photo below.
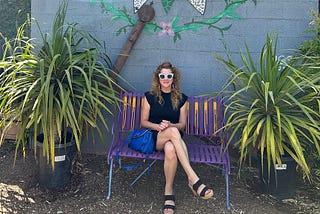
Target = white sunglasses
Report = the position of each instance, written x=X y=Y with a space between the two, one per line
x=168 y=76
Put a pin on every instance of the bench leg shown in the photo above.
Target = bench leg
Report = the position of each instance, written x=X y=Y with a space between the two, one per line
x=227 y=190
x=144 y=171
x=110 y=179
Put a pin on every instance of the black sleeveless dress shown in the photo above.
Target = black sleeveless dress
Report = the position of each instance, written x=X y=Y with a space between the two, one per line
x=164 y=111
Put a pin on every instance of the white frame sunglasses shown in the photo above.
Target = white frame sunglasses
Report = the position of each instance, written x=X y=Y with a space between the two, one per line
x=168 y=76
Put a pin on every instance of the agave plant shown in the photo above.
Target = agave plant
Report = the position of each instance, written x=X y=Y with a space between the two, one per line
x=269 y=106
x=58 y=85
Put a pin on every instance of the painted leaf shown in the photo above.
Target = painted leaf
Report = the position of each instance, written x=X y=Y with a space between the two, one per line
x=175 y=21
x=167 y=5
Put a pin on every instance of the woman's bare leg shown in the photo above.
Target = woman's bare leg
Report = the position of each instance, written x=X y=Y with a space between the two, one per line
x=170 y=169
x=172 y=134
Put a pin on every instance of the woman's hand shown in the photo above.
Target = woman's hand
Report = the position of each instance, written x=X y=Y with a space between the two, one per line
x=163 y=125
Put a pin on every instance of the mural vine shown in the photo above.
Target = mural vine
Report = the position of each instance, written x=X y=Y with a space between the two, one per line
x=174 y=28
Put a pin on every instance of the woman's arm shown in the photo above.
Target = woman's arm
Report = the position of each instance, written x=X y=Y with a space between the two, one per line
x=145 y=111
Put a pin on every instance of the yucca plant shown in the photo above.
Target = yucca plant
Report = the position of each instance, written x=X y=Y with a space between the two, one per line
x=309 y=53
x=268 y=106
x=55 y=84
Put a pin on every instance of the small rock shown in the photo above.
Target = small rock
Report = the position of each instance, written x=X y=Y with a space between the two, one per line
x=290 y=200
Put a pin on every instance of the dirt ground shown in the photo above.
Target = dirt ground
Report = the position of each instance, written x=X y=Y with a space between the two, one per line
x=20 y=192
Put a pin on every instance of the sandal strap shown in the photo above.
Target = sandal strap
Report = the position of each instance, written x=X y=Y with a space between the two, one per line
x=169 y=198
x=203 y=191
x=169 y=206
x=197 y=185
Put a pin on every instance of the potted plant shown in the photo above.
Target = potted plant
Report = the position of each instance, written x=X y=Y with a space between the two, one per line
x=55 y=85
x=309 y=53
x=268 y=108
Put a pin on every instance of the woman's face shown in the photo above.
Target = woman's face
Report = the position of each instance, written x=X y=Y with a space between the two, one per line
x=166 y=78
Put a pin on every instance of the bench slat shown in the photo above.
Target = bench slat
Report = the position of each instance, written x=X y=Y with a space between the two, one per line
x=197 y=153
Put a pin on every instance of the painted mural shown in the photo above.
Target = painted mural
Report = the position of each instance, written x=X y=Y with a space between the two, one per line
x=175 y=28
x=199 y=5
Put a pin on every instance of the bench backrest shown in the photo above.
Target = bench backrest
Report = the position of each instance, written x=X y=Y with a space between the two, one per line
x=205 y=114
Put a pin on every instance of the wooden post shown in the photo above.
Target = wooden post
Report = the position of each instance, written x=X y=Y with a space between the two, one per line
x=146 y=14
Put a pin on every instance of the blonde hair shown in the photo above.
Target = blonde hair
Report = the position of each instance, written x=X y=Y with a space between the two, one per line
x=176 y=94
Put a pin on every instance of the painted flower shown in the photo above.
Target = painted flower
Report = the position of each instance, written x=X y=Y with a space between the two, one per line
x=166 y=29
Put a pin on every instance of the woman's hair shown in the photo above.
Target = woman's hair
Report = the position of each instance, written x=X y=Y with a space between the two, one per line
x=176 y=95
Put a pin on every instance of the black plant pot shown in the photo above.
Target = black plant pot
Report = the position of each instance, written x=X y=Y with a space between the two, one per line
x=59 y=178
x=281 y=184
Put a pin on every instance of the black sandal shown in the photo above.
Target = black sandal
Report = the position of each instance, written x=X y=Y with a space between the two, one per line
x=169 y=206
x=202 y=194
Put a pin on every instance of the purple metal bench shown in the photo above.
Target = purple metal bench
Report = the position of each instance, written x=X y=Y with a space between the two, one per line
x=205 y=117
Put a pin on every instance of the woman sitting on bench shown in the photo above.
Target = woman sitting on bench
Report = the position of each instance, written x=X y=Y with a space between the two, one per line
x=164 y=112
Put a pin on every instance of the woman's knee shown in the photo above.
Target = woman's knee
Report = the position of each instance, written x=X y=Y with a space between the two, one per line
x=174 y=132
x=170 y=151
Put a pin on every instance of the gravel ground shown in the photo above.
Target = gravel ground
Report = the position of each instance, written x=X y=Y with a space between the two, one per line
x=20 y=192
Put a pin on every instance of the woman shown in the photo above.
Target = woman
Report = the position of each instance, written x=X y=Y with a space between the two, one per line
x=165 y=113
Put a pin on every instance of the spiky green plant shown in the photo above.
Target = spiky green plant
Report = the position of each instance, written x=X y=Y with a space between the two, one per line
x=61 y=84
x=309 y=53
x=268 y=107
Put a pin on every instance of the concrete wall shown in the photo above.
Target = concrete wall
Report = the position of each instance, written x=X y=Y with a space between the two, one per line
x=12 y=14
x=195 y=53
